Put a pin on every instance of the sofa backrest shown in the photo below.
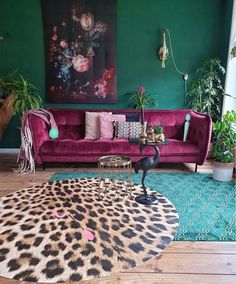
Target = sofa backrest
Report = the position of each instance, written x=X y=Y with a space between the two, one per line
x=172 y=121
x=71 y=122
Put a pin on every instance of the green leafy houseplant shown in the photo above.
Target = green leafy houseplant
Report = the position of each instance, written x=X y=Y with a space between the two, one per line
x=205 y=90
x=16 y=96
x=224 y=138
x=25 y=95
x=140 y=100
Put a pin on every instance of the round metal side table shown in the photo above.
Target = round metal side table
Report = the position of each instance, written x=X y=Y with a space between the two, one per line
x=115 y=176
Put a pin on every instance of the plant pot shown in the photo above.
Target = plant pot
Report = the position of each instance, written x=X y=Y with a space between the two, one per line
x=160 y=137
x=234 y=153
x=223 y=171
x=209 y=154
x=6 y=113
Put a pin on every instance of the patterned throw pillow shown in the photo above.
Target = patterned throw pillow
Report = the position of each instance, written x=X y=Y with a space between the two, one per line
x=127 y=130
x=106 y=124
x=92 y=124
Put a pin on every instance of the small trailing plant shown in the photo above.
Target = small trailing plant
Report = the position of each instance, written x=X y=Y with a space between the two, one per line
x=224 y=138
x=205 y=91
x=140 y=100
x=25 y=95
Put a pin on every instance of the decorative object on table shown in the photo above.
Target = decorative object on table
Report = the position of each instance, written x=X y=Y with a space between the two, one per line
x=155 y=134
x=159 y=136
x=142 y=136
x=109 y=167
x=56 y=250
x=26 y=155
x=223 y=144
x=80 y=51
x=17 y=95
x=205 y=91
x=145 y=164
x=186 y=126
x=150 y=134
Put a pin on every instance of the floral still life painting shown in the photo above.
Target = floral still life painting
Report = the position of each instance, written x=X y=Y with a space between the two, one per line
x=79 y=38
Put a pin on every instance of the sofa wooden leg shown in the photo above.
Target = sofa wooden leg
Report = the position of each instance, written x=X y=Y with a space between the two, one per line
x=196 y=168
x=43 y=167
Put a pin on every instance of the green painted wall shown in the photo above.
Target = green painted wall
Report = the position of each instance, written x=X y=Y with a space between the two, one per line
x=199 y=29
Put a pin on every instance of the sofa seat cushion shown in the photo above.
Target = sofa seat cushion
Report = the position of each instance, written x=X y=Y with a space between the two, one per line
x=179 y=148
x=85 y=147
x=102 y=147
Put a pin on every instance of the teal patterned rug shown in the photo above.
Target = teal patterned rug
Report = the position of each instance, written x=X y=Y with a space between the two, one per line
x=207 y=208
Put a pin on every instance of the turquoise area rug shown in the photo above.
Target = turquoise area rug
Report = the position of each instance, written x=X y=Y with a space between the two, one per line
x=207 y=208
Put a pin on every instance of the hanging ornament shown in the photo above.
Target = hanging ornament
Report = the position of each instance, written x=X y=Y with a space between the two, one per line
x=87 y=21
x=163 y=51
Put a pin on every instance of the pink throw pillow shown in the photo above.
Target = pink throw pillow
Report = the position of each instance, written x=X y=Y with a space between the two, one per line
x=92 y=124
x=106 y=124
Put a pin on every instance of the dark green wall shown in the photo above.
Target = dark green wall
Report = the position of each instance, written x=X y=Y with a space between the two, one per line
x=199 y=29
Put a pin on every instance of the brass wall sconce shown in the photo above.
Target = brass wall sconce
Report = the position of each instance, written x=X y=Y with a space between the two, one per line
x=163 y=53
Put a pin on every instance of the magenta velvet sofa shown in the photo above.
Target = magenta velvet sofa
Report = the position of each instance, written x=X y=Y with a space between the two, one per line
x=72 y=147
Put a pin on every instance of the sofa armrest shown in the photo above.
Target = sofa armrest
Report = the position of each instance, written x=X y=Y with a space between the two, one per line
x=200 y=130
x=39 y=131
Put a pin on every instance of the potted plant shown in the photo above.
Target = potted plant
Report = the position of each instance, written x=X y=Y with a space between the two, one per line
x=140 y=100
x=159 y=133
x=205 y=91
x=224 y=140
x=17 y=95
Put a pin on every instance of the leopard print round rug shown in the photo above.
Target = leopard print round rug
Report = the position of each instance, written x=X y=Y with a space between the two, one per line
x=37 y=245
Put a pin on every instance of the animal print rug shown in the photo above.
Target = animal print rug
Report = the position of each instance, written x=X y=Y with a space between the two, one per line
x=61 y=231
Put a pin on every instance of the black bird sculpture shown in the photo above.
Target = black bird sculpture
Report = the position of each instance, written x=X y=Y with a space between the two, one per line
x=146 y=164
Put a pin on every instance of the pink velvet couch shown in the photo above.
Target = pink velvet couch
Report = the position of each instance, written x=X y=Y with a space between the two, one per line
x=72 y=147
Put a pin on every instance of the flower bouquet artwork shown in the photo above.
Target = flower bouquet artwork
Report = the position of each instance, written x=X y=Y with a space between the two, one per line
x=80 y=51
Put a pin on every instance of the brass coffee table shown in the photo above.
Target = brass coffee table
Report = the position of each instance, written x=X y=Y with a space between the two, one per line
x=115 y=176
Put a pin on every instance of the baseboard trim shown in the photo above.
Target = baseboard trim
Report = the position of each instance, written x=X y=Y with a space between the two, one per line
x=9 y=150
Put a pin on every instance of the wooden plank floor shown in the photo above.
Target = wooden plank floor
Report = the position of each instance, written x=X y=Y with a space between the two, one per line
x=181 y=262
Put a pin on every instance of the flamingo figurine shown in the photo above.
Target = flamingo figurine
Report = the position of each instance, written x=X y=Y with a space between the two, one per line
x=146 y=164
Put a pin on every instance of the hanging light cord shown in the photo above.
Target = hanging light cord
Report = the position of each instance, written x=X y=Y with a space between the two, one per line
x=185 y=75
